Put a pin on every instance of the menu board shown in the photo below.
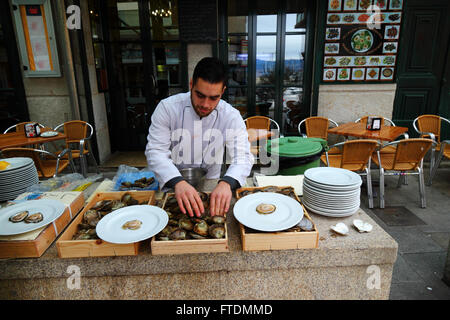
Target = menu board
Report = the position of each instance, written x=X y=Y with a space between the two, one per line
x=361 y=40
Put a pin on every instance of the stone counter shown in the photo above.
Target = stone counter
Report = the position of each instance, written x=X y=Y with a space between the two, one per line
x=338 y=269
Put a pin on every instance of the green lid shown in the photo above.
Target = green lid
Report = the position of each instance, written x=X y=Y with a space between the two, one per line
x=294 y=146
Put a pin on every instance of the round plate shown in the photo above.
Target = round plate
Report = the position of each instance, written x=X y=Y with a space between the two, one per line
x=51 y=209
x=287 y=214
x=16 y=163
x=153 y=219
x=331 y=212
x=333 y=176
x=48 y=134
x=362 y=40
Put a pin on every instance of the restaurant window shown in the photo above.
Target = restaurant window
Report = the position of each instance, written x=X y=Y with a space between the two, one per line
x=265 y=52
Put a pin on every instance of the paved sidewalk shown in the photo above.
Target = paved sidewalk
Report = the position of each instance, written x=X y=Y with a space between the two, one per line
x=423 y=237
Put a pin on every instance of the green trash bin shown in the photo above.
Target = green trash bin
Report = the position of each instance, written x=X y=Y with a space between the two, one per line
x=296 y=154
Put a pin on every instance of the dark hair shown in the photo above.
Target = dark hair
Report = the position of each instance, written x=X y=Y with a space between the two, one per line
x=211 y=70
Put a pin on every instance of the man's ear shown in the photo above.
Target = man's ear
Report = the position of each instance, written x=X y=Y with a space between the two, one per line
x=224 y=88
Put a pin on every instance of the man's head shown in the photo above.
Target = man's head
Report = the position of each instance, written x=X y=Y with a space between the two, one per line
x=207 y=85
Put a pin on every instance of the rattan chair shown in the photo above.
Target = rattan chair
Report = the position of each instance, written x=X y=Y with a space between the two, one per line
x=20 y=127
x=355 y=156
x=317 y=127
x=429 y=126
x=259 y=122
x=407 y=160
x=78 y=134
x=443 y=152
x=48 y=165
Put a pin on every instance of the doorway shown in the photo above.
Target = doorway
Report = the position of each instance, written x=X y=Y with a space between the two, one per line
x=424 y=65
x=13 y=105
x=138 y=61
x=268 y=52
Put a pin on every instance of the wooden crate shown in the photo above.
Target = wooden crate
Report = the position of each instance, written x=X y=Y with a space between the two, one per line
x=36 y=248
x=68 y=248
x=188 y=246
x=258 y=241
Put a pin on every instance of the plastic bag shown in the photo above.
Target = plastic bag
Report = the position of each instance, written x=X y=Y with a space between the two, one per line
x=69 y=182
x=127 y=178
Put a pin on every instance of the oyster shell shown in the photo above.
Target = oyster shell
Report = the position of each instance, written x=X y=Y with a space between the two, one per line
x=306 y=225
x=216 y=231
x=340 y=228
x=362 y=226
x=218 y=220
x=34 y=218
x=186 y=224
x=265 y=208
x=201 y=228
x=194 y=235
x=132 y=225
x=19 y=217
x=178 y=234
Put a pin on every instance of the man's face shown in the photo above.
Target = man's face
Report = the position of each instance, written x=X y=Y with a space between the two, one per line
x=205 y=96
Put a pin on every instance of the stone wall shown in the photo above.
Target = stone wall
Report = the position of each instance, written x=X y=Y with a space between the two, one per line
x=346 y=103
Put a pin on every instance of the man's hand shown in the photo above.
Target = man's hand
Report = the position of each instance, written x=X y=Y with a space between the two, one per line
x=188 y=199
x=220 y=199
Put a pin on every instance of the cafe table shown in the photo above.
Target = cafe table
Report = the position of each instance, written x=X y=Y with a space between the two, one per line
x=386 y=133
x=18 y=139
x=356 y=266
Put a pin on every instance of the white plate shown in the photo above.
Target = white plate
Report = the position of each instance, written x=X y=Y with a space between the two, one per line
x=331 y=212
x=51 y=209
x=287 y=214
x=48 y=134
x=16 y=163
x=333 y=193
x=333 y=176
x=329 y=187
x=153 y=219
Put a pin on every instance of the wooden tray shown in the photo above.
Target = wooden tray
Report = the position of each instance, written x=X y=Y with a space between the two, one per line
x=253 y=240
x=36 y=248
x=188 y=246
x=68 y=248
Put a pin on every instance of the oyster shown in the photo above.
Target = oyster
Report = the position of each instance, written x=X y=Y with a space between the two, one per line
x=194 y=235
x=178 y=234
x=216 y=231
x=186 y=224
x=132 y=225
x=340 y=228
x=128 y=200
x=34 y=218
x=166 y=231
x=362 y=226
x=270 y=189
x=201 y=228
x=264 y=208
x=218 y=220
x=306 y=225
x=19 y=217
x=117 y=205
x=244 y=193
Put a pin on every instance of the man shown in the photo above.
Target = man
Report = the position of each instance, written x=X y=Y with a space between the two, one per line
x=195 y=126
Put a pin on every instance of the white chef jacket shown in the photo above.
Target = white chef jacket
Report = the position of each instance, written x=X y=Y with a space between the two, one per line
x=178 y=138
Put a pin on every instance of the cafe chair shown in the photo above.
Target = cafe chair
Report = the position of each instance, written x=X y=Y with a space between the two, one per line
x=429 y=126
x=263 y=123
x=407 y=160
x=444 y=152
x=48 y=165
x=78 y=134
x=20 y=127
x=317 y=127
x=355 y=156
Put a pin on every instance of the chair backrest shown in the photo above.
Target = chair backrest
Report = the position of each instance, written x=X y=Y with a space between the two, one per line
x=429 y=123
x=20 y=127
x=260 y=122
x=75 y=131
x=410 y=153
x=317 y=127
x=356 y=153
x=383 y=120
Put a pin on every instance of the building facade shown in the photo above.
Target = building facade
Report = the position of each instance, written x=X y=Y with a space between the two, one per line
x=110 y=62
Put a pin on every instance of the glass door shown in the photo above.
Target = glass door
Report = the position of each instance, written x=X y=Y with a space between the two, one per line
x=137 y=51
x=266 y=50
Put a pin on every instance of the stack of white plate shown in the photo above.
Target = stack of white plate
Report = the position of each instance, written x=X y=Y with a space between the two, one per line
x=16 y=179
x=332 y=192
